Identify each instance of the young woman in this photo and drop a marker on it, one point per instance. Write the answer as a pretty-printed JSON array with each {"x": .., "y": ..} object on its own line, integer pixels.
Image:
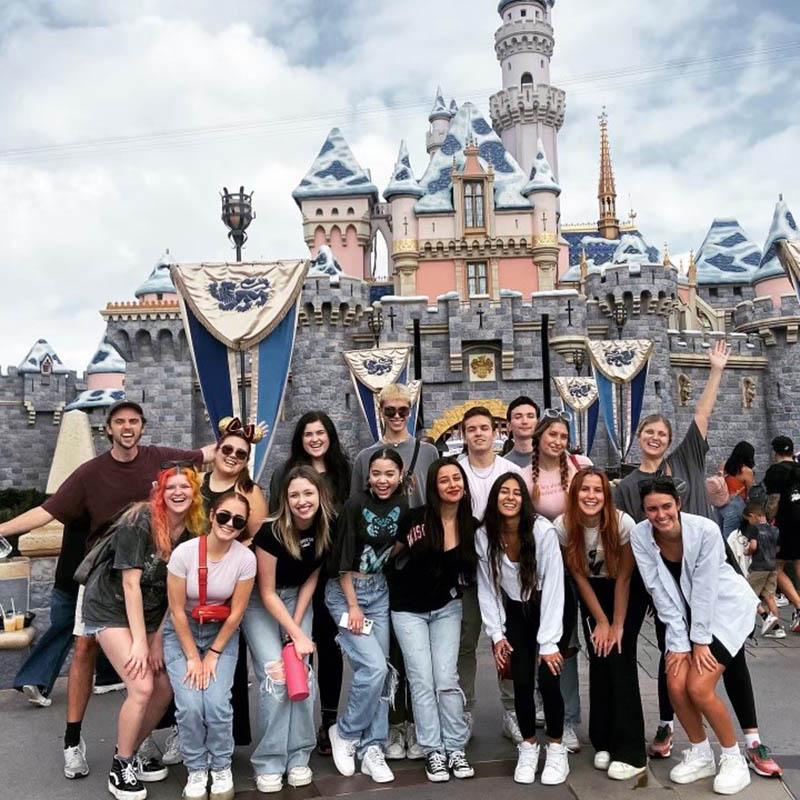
[
  {"x": 595, "y": 538},
  {"x": 315, "y": 442},
  {"x": 521, "y": 595},
  {"x": 201, "y": 657},
  {"x": 358, "y": 600},
  {"x": 124, "y": 605},
  {"x": 552, "y": 471},
  {"x": 436, "y": 550},
  {"x": 290, "y": 548},
  {"x": 708, "y": 610}
]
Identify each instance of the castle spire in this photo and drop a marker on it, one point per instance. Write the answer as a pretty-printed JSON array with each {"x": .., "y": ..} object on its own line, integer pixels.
[{"x": 608, "y": 223}]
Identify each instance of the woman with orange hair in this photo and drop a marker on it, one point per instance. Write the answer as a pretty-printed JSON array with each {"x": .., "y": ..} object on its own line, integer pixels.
[
  {"x": 124, "y": 607},
  {"x": 597, "y": 551}
]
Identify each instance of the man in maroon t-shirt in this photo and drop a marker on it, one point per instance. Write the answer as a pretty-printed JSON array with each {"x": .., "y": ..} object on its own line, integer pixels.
[{"x": 88, "y": 500}]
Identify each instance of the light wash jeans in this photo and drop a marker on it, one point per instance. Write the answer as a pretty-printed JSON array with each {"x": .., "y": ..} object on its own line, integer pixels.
[
  {"x": 429, "y": 643},
  {"x": 284, "y": 729},
  {"x": 366, "y": 715},
  {"x": 204, "y": 716}
]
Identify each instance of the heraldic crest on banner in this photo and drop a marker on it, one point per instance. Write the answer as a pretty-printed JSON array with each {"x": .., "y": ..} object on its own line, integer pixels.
[
  {"x": 620, "y": 360},
  {"x": 577, "y": 393}
]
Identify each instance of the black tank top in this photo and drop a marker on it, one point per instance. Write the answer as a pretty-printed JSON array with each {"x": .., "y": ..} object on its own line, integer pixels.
[{"x": 209, "y": 495}]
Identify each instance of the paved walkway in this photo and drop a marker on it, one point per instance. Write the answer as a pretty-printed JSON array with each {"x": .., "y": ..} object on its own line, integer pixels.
[{"x": 31, "y": 763}]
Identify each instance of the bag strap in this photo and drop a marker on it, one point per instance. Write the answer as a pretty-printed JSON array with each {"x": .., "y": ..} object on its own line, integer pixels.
[
  {"x": 414, "y": 457},
  {"x": 202, "y": 574},
  {"x": 575, "y": 463}
]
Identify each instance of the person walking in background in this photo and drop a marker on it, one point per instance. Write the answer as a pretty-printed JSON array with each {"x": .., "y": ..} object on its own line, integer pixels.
[
  {"x": 315, "y": 442},
  {"x": 211, "y": 575}
]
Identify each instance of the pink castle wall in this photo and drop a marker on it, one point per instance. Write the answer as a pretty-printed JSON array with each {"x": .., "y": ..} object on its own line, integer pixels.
[
  {"x": 774, "y": 288},
  {"x": 518, "y": 274},
  {"x": 105, "y": 380},
  {"x": 435, "y": 278}
]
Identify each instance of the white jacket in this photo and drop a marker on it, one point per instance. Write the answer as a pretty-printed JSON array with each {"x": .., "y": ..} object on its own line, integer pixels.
[
  {"x": 722, "y": 603},
  {"x": 549, "y": 580}
]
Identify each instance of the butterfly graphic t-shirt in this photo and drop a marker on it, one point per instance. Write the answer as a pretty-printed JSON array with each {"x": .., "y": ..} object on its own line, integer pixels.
[{"x": 367, "y": 533}]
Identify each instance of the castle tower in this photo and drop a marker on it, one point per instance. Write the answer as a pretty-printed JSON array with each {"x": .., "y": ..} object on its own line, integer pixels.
[
  {"x": 608, "y": 223},
  {"x": 770, "y": 280},
  {"x": 105, "y": 379},
  {"x": 439, "y": 119},
  {"x": 527, "y": 108},
  {"x": 401, "y": 193},
  {"x": 159, "y": 287}
]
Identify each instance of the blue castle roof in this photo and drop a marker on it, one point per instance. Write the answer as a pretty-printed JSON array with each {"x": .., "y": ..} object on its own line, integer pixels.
[
  {"x": 96, "y": 398},
  {"x": 335, "y": 173},
  {"x": 32, "y": 363},
  {"x": 503, "y": 4},
  {"x": 106, "y": 360},
  {"x": 509, "y": 179},
  {"x": 631, "y": 248},
  {"x": 726, "y": 255},
  {"x": 783, "y": 227},
  {"x": 403, "y": 182},
  {"x": 440, "y": 109},
  {"x": 542, "y": 178},
  {"x": 159, "y": 280}
]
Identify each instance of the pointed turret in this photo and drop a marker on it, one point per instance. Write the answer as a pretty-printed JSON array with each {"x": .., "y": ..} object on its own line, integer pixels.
[
  {"x": 403, "y": 182},
  {"x": 726, "y": 255},
  {"x": 159, "y": 285},
  {"x": 439, "y": 119},
  {"x": 608, "y": 224},
  {"x": 440, "y": 109},
  {"x": 783, "y": 228},
  {"x": 542, "y": 178},
  {"x": 42, "y": 358},
  {"x": 453, "y": 107}
]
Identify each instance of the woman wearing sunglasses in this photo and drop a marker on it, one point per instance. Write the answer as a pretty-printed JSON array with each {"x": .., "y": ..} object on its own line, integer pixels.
[
  {"x": 708, "y": 611},
  {"x": 200, "y": 654},
  {"x": 290, "y": 548},
  {"x": 595, "y": 540}
]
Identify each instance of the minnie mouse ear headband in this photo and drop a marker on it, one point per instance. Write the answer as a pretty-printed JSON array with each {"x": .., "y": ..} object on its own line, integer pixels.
[{"x": 233, "y": 425}]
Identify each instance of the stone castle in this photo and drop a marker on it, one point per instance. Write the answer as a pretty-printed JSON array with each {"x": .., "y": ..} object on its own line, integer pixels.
[{"x": 478, "y": 253}]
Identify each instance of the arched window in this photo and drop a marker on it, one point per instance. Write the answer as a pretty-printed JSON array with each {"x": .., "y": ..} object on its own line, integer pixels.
[
  {"x": 318, "y": 212},
  {"x": 334, "y": 212},
  {"x": 527, "y": 79},
  {"x": 473, "y": 204},
  {"x": 351, "y": 210}
]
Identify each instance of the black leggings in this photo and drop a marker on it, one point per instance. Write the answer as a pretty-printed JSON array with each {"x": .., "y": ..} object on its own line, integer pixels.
[
  {"x": 328, "y": 656},
  {"x": 522, "y": 625}
]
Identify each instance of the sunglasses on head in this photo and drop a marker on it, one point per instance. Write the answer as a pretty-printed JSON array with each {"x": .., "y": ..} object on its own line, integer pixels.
[
  {"x": 178, "y": 465},
  {"x": 391, "y": 412},
  {"x": 661, "y": 483},
  {"x": 236, "y": 520},
  {"x": 236, "y": 452},
  {"x": 556, "y": 413}
]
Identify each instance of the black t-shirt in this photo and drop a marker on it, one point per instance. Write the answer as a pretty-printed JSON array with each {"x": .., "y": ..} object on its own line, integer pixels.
[
  {"x": 104, "y": 600},
  {"x": 422, "y": 579},
  {"x": 783, "y": 478},
  {"x": 289, "y": 571},
  {"x": 366, "y": 533}
]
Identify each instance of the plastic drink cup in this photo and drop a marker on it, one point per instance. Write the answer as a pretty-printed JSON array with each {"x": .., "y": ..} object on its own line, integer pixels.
[
  {"x": 20, "y": 619},
  {"x": 9, "y": 622},
  {"x": 5, "y": 548}
]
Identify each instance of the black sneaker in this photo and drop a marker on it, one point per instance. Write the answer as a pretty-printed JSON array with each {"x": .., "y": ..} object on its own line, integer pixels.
[
  {"x": 436, "y": 767},
  {"x": 123, "y": 783},
  {"x": 323, "y": 741},
  {"x": 149, "y": 769},
  {"x": 457, "y": 762}
]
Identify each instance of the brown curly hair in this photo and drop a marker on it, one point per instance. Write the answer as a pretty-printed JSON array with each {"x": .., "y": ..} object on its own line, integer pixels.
[{"x": 543, "y": 425}]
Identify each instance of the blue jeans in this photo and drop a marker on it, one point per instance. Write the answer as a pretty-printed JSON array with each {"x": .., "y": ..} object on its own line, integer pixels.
[
  {"x": 284, "y": 729},
  {"x": 366, "y": 715},
  {"x": 430, "y": 651},
  {"x": 204, "y": 716},
  {"x": 44, "y": 663}
]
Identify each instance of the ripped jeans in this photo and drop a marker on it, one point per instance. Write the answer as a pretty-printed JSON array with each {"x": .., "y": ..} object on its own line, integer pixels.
[
  {"x": 284, "y": 729},
  {"x": 430, "y": 645},
  {"x": 366, "y": 715}
]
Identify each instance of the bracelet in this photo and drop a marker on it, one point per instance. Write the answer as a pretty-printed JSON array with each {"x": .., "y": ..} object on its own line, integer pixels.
[{"x": 218, "y": 652}]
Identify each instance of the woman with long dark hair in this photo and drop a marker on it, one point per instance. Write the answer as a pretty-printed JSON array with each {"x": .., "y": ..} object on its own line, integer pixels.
[
  {"x": 521, "y": 595},
  {"x": 315, "y": 442},
  {"x": 436, "y": 550},
  {"x": 595, "y": 538}
]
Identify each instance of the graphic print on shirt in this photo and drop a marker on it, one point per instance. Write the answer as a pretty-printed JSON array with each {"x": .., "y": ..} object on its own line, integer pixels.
[
  {"x": 597, "y": 561},
  {"x": 378, "y": 527}
]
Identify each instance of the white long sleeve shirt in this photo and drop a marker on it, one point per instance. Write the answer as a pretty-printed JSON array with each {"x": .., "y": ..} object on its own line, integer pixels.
[
  {"x": 718, "y": 601},
  {"x": 549, "y": 579}
]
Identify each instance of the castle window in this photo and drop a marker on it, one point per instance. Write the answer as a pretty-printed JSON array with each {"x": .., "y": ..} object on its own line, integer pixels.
[
  {"x": 318, "y": 212},
  {"x": 334, "y": 212},
  {"x": 527, "y": 79},
  {"x": 159, "y": 296},
  {"x": 46, "y": 367},
  {"x": 477, "y": 278},
  {"x": 737, "y": 291},
  {"x": 713, "y": 292},
  {"x": 350, "y": 210},
  {"x": 473, "y": 205},
  {"x": 523, "y": 13}
]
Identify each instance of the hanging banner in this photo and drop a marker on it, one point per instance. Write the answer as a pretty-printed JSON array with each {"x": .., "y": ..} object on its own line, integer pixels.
[
  {"x": 580, "y": 394},
  {"x": 371, "y": 370},
  {"x": 250, "y": 308},
  {"x": 789, "y": 256},
  {"x": 620, "y": 372}
]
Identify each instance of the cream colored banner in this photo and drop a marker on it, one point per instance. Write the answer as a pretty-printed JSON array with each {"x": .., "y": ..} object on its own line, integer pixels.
[
  {"x": 379, "y": 366},
  {"x": 789, "y": 256},
  {"x": 577, "y": 393},
  {"x": 620, "y": 360}
]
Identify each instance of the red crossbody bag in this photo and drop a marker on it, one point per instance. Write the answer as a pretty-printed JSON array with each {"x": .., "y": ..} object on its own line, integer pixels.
[{"x": 202, "y": 611}]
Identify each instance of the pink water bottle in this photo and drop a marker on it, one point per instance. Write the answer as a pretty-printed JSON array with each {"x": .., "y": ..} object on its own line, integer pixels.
[{"x": 296, "y": 673}]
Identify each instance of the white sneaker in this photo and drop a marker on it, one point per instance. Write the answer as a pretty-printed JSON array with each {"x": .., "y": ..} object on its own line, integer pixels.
[
  {"x": 733, "y": 774},
  {"x": 413, "y": 751},
  {"x": 172, "y": 748},
  {"x": 75, "y": 763},
  {"x": 469, "y": 721},
  {"x": 776, "y": 633},
  {"x": 781, "y": 601},
  {"x": 108, "y": 688},
  {"x": 222, "y": 784},
  {"x": 511, "y": 727},
  {"x": 299, "y": 776},
  {"x": 196, "y": 785},
  {"x": 396, "y": 748},
  {"x": 602, "y": 760},
  {"x": 35, "y": 696},
  {"x": 620, "y": 771},
  {"x": 556, "y": 765},
  {"x": 269, "y": 782},
  {"x": 374, "y": 764},
  {"x": 343, "y": 751},
  {"x": 695, "y": 765},
  {"x": 570, "y": 739},
  {"x": 769, "y": 623},
  {"x": 527, "y": 762}
]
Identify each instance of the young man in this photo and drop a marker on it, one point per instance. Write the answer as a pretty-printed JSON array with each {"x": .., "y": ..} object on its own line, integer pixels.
[
  {"x": 482, "y": 467},
  {"x": 782, "y": 482},
  {"x": 88, "y": 500},
  {"x": 522, "y": 416}
]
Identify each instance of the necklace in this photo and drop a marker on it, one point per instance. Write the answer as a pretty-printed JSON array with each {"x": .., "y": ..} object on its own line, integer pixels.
[{"x": 480, "y": 472}]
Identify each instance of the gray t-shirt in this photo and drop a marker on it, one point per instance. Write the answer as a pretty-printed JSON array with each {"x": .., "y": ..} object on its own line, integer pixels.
[
  {"x": 766, "y": 537},
  {"x": 686, "y": 465},
  {"x": 426, "y": 456},
  {"x": 522, "y": 460}
]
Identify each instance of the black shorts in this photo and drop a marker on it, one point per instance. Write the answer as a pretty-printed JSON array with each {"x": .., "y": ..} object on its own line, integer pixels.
[
  {"x": 720, "y": 652},
  {"x": 788, "y": 548}
]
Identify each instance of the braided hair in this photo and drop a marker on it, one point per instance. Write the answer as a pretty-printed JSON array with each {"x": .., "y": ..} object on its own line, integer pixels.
[{"x": 543, "y": 425}]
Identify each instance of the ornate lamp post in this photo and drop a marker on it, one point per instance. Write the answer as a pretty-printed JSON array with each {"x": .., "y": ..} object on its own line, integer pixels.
[
  {"x": 375, "y": 322},
  {"x": 237, "y": 214},
  {"x": 578, "y": 359},
  {"x": 620, "y": 318}
]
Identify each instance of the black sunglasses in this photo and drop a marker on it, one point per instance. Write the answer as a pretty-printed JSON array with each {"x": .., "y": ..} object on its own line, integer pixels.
[
  {"x": 660, "y": 483},
  {"x": 391, "y": 412},
  {"x": 178, "y": 465},
  {"x": 230, "y": 450},
  {"x": 236, "y": 520}
]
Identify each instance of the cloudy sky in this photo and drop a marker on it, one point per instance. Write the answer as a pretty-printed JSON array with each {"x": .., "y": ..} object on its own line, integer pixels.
[{"x": 121, "y": 121}]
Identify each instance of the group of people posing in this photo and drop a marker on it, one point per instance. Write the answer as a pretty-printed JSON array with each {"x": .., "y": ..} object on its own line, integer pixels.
[{"x": 398, "y": 562}]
